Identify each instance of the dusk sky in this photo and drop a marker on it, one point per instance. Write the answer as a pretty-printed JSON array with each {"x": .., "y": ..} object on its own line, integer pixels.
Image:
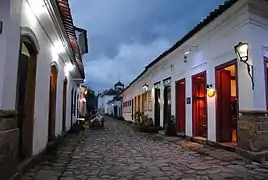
[{"x": 125, "y": 35}]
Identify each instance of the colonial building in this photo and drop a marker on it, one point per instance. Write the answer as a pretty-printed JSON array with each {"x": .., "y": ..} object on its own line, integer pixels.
[
  {"x": 108, "y": 95},
  {"x": 40, "y": 70},
  {"x": 214, "y": 85},
  {"x": 115, "y": 106}
]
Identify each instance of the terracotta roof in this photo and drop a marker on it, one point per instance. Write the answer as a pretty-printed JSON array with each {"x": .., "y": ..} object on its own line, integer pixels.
[
  {"x": 67, "y": 20},
  {"x": 212, "y": 16}
]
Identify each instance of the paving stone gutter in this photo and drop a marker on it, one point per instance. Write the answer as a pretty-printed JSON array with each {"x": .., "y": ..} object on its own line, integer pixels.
[{"x": 54, "y": 159}]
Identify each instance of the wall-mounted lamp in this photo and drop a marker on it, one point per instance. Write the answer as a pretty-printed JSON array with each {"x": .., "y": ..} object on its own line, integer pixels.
[
  {"x": 211, "y": 91},
  {"x": 241, "y": 50},
  {"x": 145, "y": 87}
]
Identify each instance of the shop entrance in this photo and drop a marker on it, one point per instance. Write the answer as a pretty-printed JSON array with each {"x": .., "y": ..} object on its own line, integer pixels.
[
  {"x": 199, "y": 105},
  {"x": 157, "y": 107},
  {"x": 227, "y": 105},
  {"x": 26, "y": 81},
  {"x": 52, "y": 103},
  {"x": 64, "y": 94},
  {"x": 180, "y": 105}
]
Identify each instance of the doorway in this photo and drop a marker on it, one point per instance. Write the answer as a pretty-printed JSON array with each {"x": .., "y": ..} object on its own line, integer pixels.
[
  {"x": 72, "y": 107},
  {"x": 52, "y": 103},
  {"x": 180, "y": 105},
  {"x": 25, "y": 98},
  {"x": 157, "y": 107},
  {"x": 167, "y": 105},
  {"x": 132, "y": 108},
  {"x": 266, "y": 78},
  {"x": 227, "y": 104},
  {"x": 199, "y": 92},
  {"x": 64, "y": 94}
]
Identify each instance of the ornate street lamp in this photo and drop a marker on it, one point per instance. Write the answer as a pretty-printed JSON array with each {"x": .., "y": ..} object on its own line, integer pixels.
[
  {"x": 241, "y": 50},
  {"x": 145, "y": 87}
]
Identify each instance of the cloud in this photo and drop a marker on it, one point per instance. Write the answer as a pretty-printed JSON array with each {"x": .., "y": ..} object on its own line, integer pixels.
[
  {"x": 130, "y": 60},
  {"x": 125, "y": 35}
]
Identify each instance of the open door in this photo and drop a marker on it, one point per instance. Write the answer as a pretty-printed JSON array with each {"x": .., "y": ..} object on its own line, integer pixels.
[
  {"x": 26, "y": 81},
  {"x": 132, "y": 110},
  {"x": 72, "y": 107},
  {"x": 52, "y": 103},
  {"x": 266, "y": 78},
  {"x": 64, "y": 96},
  {"x": 227, "y": 105},
  {"x": 199, "y": 105},
  {"x": 157, "y": 107},
  {"x": 167, "y": 104},
  {"x": 180, "y": 105}
]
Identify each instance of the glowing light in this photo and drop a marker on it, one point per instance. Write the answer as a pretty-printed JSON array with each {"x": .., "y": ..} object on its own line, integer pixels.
[
  {"x": 69, "y": 67},
  {"x": 241, "y": 49},
  {"x": 38, "y": 6},
  {"x": 187, "y": 52},
  {"x": 58, "y": 47},
  {"x": 211, "y": 92}
]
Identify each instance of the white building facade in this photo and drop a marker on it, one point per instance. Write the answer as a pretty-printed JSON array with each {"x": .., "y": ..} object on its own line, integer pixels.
[
  {"x": 40, "y": 70},
  {"x": 182, "y": 81}
]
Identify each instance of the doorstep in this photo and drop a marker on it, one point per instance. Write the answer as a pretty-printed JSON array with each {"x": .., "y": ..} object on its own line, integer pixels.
[{"x": 231, "y": 147}]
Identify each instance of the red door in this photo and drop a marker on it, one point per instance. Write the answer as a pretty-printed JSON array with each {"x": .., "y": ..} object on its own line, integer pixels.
[
  {"x": 224, "y": 106},
  {"x": 180, "y": 105},
  {"x": 199, "y": 112}
]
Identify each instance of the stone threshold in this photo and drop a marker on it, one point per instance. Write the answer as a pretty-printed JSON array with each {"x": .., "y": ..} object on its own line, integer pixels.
[
  {"x": 30, "y": 162},
  {"x": 254, "y": 156}
]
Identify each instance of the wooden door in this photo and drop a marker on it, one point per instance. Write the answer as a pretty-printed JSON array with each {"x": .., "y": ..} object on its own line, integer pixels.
[
  {"x": 72, "y": 107},
  {"x": 167, "y": 104},
  {"x": 22, "y": 82},
  {"x": 52, "y": 103},
  {"x": 199, "y": 105},
  {"x": 64, "y": 94},
  {"x": 224, "y": 114},
  {"x": 180, "y": 105},
  {"x": 157, "y": 108}
]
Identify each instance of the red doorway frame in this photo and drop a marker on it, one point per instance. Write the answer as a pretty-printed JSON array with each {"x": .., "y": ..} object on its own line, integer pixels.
[
  {"x": 222, "y": 66},
  {"x": 194, "y": 121},
  {"x": 180, "y": 105}
]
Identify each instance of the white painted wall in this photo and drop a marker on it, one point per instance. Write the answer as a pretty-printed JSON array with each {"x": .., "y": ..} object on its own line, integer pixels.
[
  {"x": 46, "y": 57},
  {"x": 212, "y": 46},
  {"x": 102, "y": 102},
  {"x": 9, "y": 39}
]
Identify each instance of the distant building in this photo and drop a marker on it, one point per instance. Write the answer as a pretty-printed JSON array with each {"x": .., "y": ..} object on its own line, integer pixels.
[
  {"x": 115, "y": 106},
  {"x": 107, "y": 96}
]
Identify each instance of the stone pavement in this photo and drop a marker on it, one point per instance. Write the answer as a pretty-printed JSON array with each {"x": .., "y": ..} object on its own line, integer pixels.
[{"x": 120, "y": 153}]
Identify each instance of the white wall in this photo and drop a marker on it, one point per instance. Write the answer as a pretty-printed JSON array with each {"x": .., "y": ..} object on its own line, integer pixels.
[
  {"x": 46, "y": 57},
  {"x": 213, "y": 46},
  {"x": 9, "y": 39}
]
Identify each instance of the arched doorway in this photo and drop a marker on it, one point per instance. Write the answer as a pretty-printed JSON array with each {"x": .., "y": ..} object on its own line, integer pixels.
[
  {"x": 25, "y": 98},
  {"x": 64, "y": 105},
  {"x": 52, "y": 102}
]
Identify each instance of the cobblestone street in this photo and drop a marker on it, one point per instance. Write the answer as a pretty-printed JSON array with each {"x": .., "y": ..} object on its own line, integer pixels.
[{"x": 118, "y": 152}]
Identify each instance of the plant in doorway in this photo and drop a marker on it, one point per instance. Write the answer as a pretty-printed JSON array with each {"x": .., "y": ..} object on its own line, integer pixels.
[{"x": 170, "y": 126}]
